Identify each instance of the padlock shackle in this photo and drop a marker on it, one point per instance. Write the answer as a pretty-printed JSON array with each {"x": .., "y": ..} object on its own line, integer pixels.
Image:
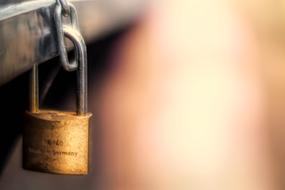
[
  {"x": 59, "y": 12},
  {"x": 34, "y": 90},
  {"x": 75, "y": 37}
]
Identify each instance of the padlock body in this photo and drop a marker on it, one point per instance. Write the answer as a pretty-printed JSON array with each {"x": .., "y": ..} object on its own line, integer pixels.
[{"x": 56, "y": 142}]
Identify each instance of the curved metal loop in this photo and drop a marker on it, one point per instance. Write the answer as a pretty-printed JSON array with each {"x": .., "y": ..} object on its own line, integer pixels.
[
  {"x": 74, "y": 16},
  {"x": 65, "y": 5},
  {"x": 61, "y": 44},
  {"x": 80, "y": 47}
]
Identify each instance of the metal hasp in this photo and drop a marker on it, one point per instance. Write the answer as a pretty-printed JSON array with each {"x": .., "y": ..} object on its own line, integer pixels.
[{"x": 28, "y": 36}]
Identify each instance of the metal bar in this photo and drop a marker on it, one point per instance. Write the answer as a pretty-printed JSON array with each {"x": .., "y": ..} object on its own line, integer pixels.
[
  {"x": 34, "y": 90},
  {"x": 27, "y": 32},
  {"x": 13, "y": 10}
]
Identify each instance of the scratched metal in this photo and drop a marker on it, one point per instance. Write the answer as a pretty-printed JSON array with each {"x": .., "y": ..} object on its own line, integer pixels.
[
  {"x": 27, "y": 33},
  {"x": 56, "y": 142}
]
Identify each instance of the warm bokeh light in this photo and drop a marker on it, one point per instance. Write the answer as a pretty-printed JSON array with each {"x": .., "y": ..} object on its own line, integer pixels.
[{"x": 186, "y": 105}]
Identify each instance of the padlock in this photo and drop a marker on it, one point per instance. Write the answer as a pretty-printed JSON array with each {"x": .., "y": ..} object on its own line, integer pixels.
[{"x": 57, "y": 141}]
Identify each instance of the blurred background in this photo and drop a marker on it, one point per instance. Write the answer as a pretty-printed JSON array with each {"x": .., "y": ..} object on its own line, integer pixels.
[{"x": 185, "y": 95}]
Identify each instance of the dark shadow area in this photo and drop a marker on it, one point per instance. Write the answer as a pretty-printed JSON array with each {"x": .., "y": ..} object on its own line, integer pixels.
[{"x": 13, "y": 101}]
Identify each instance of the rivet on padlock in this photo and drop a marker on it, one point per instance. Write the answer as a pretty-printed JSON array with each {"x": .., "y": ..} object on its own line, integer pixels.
[{"x": 57, "y": 141}]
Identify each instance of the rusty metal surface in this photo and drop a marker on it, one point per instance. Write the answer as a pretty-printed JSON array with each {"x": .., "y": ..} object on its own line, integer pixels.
[
  {"x": 27, "y": 32},
  {"x": 56, "y": 142}
]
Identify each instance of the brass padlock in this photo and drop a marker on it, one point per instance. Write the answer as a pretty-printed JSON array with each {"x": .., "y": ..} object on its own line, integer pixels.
[{"x": 57, "y": 141}]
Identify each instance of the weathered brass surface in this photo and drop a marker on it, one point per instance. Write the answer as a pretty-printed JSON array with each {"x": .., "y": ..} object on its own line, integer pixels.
[{"x": 56, "y": 142}]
